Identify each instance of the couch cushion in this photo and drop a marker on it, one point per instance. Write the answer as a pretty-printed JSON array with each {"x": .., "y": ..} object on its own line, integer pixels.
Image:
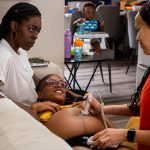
[{"x": 20, "y": 131}]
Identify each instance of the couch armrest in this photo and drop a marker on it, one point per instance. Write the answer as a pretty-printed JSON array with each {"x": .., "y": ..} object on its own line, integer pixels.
[{"x": 20, "y": 131}]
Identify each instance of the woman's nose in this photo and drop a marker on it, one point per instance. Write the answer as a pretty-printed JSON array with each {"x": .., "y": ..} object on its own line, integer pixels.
[
  {"x": 35, "y": 35},
  {"x": 58, "y": 85}
]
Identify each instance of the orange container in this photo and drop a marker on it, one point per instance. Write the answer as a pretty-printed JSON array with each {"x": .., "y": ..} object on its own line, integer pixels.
[{"x": 78, "y": 42}]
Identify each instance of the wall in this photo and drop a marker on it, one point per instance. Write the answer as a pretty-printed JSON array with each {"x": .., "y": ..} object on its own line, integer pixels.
[
  {"x": 50, "y": 44},
  {"x": 142, "y": 64}
]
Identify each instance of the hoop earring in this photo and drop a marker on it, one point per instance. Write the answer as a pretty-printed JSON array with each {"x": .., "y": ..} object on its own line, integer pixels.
[{"x": 13, "y": 35}]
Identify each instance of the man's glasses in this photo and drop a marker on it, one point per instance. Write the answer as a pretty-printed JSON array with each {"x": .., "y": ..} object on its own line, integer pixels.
[{"x": 51, "y": 82}]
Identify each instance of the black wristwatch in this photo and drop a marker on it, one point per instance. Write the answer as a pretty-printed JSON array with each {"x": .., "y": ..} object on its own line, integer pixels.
[{"x": 131, "y": 135}]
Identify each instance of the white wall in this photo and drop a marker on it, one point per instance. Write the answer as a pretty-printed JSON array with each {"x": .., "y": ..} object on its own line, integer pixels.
[{"x": 50, "y": 44}]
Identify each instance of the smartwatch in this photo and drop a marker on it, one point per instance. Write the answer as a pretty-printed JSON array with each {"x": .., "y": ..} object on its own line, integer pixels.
[{"x": 131, "y": 135}]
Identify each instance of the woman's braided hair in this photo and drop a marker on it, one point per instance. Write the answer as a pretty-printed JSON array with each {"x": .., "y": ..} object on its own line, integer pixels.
[
  {"x": 145, "y": 12},
  {"x": 42, "y": 82},
  {"x": 17, "y": 12},
  {"x": 135, "y": 98}
]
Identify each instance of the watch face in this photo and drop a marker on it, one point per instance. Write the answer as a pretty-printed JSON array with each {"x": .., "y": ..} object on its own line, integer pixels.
[{"x": 131, "y": 135}]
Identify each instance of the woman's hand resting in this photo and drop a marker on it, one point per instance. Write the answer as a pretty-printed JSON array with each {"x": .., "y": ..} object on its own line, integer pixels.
[
  {"x": 94, "y": 108},
  {"x": 109, "y": 137},
  {"x": 78, "y": 104},
  {"x": 43, "y": 106}
]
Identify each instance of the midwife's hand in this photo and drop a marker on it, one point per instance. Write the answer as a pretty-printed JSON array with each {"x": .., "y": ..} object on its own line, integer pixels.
[
  {"x": 95, "y": 106},
  {"x": 43, "y": 106},
  {"x": 109, "y": 137}
]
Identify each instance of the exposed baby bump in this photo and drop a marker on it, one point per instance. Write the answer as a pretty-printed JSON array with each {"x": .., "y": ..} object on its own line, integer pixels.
[
  {"x": 66, "y": 123},
  {"x": 70, "y": 122},
  {"x": 92, "y": 125}
]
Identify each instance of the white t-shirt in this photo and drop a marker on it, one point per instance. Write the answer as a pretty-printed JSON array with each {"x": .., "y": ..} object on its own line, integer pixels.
[{"x": 16, "y": 75}]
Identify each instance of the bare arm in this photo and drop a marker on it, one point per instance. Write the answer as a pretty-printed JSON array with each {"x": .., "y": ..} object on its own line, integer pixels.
[
  {"x": 80, "y": 20},
  {"x": 36, "y": 107},
  {"x": 118, "y": 110},
  {"x": 109, "y": 137},
  {"x": 142, "y": 137},
  {"x": 123, "y": 109},
  {"x": 28, "y": 109},
  {"x": 102, "y": 25}
]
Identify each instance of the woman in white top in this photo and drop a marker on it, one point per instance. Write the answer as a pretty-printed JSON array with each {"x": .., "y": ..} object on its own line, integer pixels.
[{"x": 19, "y": 30}]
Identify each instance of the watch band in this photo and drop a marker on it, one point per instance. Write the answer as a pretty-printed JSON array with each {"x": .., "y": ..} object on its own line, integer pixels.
[{"x": 131, "y": 135}]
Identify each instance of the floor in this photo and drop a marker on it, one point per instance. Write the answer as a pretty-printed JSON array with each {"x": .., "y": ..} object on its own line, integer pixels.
[{"x": 123, "y": 85}]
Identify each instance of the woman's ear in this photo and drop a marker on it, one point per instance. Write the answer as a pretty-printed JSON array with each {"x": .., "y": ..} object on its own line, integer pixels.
[
  {"x": 39, "y": 95},
  {"x": 13, "y": 25}
]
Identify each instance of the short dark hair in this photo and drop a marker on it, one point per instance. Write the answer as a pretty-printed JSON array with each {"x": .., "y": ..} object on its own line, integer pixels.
[
  {"x": 145, "y": 12},
  {"x": 18, "y": 13},
  {"x": 42, "y": 82},
  {"x": 89, "y": 4}
]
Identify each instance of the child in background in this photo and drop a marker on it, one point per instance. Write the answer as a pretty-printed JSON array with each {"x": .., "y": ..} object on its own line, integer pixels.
[{"x": 89, "y": 10}]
